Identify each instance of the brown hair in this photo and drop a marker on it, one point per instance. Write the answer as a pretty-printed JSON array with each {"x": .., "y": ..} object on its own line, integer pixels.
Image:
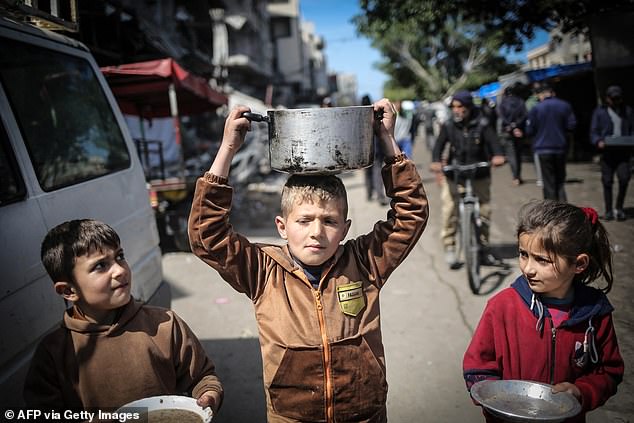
[
  {"x": 567, "y": 231},
  {"x": 73, "y": 239},
  {"x": 317, "y": 188}
]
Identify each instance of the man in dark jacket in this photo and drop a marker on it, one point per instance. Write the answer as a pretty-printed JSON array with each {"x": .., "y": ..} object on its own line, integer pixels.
[
  {"x": 512, "y": 113},
  {"x": 613, "y": 118},
  {"x": 470, "y": 139},
  {"x": 549, "y": 122}
]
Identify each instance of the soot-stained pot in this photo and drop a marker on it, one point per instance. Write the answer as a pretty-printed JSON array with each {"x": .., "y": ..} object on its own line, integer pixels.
[{"x": 319, "y": 141}]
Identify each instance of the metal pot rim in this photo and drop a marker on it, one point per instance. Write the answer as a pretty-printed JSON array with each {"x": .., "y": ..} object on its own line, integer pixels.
[{"x": 319, "y": 110}]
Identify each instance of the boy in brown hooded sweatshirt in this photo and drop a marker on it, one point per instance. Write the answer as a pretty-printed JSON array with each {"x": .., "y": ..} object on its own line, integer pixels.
[
  {"x": 110, "y": 349},
  {"x": 316, "y": 300}
]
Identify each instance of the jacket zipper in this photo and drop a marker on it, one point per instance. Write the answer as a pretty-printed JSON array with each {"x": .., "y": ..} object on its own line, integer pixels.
[
  {"x": 552, "y": 352},
  {"x": 324, "y": 340}
]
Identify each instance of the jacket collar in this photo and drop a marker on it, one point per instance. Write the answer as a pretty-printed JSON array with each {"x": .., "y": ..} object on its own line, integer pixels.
[
  {"x": 588, "y": 303},
  {"x": 283, "y": 257},
  {"x": 128, "y": 311}
]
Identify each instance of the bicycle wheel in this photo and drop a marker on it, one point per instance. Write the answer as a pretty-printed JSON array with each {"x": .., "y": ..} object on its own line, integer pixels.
[{"x": 471, "y": 247}]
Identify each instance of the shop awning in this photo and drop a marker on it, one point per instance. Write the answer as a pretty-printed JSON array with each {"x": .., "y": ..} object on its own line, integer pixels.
[
  {"x": 143, "y": 89},
  {"x": 558, "y": 71}
]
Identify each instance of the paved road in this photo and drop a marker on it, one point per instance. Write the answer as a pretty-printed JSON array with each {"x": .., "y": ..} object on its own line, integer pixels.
[{"x": 428, "y": 312}]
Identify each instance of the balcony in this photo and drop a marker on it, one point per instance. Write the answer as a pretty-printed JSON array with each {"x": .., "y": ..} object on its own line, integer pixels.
[{"x": 55, "y": 15}]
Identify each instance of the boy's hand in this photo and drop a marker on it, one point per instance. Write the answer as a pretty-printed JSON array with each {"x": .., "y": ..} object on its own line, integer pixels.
[
  {"x": 568, "y": 387},
  {"x": 384, "y": 128},
  {"x": 209, "y": 399},
  {"x": 236, "y": 128},
  {"x": 235, "y": 131}
]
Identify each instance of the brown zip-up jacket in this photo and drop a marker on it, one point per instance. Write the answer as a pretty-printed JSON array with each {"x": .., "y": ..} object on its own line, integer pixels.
[{"x": 322, "y": 349}]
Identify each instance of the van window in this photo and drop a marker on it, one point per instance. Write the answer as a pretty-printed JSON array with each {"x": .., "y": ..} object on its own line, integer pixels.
[
  {"x": 12, "y": 187},
  {"x": 66, "y": 121}
]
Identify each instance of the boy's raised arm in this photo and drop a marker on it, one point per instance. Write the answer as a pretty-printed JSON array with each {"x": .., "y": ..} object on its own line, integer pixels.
[
  {"x": 384, "y": 128},
  {"x": 236, "y": 128}
]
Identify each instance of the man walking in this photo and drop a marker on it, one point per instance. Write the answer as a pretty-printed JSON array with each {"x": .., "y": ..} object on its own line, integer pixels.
[
  {"x": 616, "y": 119},
  {"x": 512, "y": 113},
  {"x": 550, "y": 122}
]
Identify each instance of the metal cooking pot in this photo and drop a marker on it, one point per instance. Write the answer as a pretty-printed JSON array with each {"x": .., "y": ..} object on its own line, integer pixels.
[{"x": 319, "y": 141}]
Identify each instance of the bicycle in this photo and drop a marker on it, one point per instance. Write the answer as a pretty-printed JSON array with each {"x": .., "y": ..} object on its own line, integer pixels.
[{"x": 470, "y": 223}]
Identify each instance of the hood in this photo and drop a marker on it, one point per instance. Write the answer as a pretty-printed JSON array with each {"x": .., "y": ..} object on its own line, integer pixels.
[
  {"x": 463, "y": 97},
  {"x": 128, "y": 311},
  {"x": 589, "y": 302},
  {"x": 282, "y": 256}
]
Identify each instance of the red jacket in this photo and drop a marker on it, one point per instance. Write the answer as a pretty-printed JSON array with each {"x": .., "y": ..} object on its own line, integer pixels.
[{"x": 511, "y": 342}]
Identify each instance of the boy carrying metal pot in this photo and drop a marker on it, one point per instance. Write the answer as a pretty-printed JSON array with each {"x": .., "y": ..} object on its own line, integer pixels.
[{"x": 316, "y": 300}]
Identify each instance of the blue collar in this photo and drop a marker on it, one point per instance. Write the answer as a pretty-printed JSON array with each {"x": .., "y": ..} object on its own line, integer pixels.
[
  {"x": 569, "y": 299},
  {"x": 588, "y": 302}
]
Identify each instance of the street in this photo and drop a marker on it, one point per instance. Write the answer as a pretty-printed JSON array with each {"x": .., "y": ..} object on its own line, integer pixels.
[{"x": 428, "y": 311}]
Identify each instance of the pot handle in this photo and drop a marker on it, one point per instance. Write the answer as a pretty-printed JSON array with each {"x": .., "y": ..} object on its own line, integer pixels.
[{"x": 255, "y": 117}]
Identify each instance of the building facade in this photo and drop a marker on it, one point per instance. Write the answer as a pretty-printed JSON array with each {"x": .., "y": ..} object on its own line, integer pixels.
[
  {"x": 261, "y": 48},
  {"x": 561, "y": 49},
  {"x": 299, "y": 61}
]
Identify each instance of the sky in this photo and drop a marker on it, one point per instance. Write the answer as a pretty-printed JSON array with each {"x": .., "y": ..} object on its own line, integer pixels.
[
  {"x": 345, "y": 52},
  {"x": 348, "y": 53}
]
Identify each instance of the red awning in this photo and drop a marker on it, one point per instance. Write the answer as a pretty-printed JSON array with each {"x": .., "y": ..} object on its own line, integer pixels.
[{"x": 143, "y": 89}]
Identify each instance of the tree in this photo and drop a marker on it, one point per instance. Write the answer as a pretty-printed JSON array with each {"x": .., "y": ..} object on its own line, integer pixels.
[
  {"x": 515, "y": 20},
  {"x": 431, "y": 55}
]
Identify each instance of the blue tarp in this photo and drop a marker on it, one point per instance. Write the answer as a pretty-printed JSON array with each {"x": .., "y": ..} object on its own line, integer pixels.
[
  {"x": 489, "y": 91},
  {"x": 557, "y": 70}
]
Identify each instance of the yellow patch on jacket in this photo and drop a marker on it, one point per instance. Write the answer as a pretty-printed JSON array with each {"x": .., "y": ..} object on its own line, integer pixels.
[{"x": 351, "y": 298}]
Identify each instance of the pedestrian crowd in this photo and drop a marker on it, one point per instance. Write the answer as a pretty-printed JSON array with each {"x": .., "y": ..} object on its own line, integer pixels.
[
  {"x": 541, "y": 122},
  {"x": 316, "y": 295}
]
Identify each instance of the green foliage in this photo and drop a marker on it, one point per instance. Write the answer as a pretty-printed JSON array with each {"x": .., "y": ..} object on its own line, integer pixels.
[
  {"x": 429, "y": 55},
  {"x": 437, "y": 46},
  {"x": 395, "y": 92},
  {"x": 516, "y": 20}
]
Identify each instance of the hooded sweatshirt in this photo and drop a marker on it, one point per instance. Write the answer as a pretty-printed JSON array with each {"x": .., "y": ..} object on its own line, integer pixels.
[
  {"x": 515, "y": 339},
  {"x": 322, "y": 350},
  {"x": 148, "y": 351}
]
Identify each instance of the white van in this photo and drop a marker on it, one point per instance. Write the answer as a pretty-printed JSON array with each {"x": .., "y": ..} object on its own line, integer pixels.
[{"x": 65, "y": 153}]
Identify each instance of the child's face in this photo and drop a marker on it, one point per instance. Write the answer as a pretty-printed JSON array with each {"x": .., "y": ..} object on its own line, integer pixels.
[
  {"x": 314, "y": 230},
  {"x": 547, "y": 274},
  {"x": 102, "y": 282}
]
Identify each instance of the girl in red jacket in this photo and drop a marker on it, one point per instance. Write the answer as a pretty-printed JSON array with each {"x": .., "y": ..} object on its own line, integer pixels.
[{"x": 550, "y": 326}]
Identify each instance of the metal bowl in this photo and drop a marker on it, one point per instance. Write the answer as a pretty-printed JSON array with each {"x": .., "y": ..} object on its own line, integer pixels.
[
  {"x": 524, "y": 401},
  {"x": 168, "y": 403}
]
